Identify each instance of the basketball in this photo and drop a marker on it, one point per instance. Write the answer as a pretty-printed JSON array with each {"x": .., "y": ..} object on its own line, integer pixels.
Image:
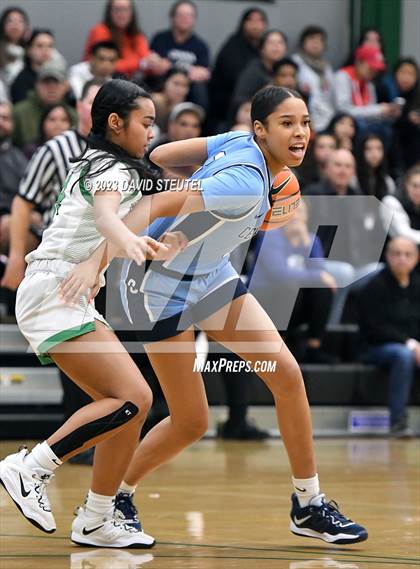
[{"x": 284, "y": 199}]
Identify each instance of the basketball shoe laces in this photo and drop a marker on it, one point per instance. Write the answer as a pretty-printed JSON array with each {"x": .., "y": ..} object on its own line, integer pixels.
[
  {"x": 331, "y": 513},
  {"x": 40, "y": 487},
  {"x": 125, "y": 508}
]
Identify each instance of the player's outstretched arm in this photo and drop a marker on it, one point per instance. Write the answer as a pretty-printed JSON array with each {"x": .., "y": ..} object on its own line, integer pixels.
[
  {"x": 115, "y": 231},
  {"x": 181, "y": 157}
]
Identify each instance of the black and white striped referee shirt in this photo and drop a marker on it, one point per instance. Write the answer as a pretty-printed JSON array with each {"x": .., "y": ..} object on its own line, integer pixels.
[{"x": 47, "y": 171}]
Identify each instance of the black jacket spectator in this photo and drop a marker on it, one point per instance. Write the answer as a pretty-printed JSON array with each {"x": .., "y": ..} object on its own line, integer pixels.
[
  {"x": 254, "y": 77},
  {"x": 233, "y": 57},
  {"x": 389, "y": 319},
  {"x": 23, "y": 83},
  {"x": 389, "y": 312},
  {"x": 405, "y": 83},
  {"x": 259, "y": 72}
]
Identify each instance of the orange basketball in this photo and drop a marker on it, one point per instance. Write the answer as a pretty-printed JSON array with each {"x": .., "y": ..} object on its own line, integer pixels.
[{"x": 284, "y": 199}]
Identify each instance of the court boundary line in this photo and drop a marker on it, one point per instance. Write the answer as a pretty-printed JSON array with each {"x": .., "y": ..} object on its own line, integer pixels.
[
  {"x": 314, "y": 550},
  {"x": 236, "y": 557}
]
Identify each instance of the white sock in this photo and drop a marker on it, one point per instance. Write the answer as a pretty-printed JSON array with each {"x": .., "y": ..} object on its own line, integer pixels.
[
  {"x": 126, "y": 488},
  {"x": 306, "y": 489},
  {"x": 42, "y": 457},
  {"x": 99, "y": 506}
]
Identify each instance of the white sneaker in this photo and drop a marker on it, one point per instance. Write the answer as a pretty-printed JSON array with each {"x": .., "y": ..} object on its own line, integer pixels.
[
  {"x": 107, "y": 532},
  {"x": 28, "y": 489}
]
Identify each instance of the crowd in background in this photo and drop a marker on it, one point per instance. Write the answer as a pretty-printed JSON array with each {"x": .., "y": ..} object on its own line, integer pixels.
[{"x": 365, "y": 141}]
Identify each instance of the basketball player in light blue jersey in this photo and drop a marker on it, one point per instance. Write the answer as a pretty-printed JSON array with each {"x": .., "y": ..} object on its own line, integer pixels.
[
  {"x": 234, "y": 184},
  {"x": 198, "y": 286}
]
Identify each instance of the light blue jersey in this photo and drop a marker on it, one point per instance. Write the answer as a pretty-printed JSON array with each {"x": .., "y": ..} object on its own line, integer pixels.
[
  {"x": 162, "y": 299},
  {"x": 235, "y": 183}
]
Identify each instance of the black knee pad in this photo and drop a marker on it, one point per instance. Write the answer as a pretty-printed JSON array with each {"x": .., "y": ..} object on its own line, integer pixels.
[{"x": 99, "y": 426}]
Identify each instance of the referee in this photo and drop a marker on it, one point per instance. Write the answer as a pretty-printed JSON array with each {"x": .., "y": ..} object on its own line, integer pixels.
[{"x": 38, "y": 190}]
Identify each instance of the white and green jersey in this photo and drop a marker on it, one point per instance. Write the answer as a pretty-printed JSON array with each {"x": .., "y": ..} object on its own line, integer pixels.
[{"x": 72, "y": 235}]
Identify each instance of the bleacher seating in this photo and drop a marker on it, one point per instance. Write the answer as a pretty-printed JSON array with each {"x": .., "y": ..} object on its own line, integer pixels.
[{"x": 30, "y": 394}]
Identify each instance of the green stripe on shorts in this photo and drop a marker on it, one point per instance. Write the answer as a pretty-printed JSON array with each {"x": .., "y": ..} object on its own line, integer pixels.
[{"x": 60, "y": 337}]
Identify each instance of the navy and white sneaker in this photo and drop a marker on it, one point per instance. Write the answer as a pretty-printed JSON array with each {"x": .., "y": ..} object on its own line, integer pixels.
[
  {"x": 323, "y": 520},
  {"x": 126, "y": 510},
  {"x": 107, "y": 532}
]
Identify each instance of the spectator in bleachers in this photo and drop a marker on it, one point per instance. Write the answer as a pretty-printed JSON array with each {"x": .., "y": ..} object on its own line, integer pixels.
[
  {"x": 259, "y": 71},
  {"x": 238, "y": 50},
  {"x": 313, "y": 168},
  {"x": 120, "y": 26},
  {"x": 14, "y": 28},
  {"x": 316, "y": 76},
  {"x": 12, "y": 168},
  {"x": 101, "y": 65},
  {"x": 285, "y": 73},
  {"x": 185, "y": 121},
  {"x": 43, "y": 179},
  {"x": 372, "y": 36},
  {"x": 355, "y": 93},
  {"x": 50, "y": 88},
  {"x": 405, "y": 84},
  {"x": 369, "y": 36},
  {"x": 39, "y": 50},
  {"x": 290, "y": 265},
  {"x": 176, "y": 86},
  {"x": 338, "y": 174},
  {"x": 389, "y": 313},
  {"x": 181, "y": 47},
  {"x": 344, "y": 128},
  {"x": 372, "y": 168},
  {"x": 243, "y": 117},
  {"x": 406, "y": 209},
  {"x": 54, "y": 121}
]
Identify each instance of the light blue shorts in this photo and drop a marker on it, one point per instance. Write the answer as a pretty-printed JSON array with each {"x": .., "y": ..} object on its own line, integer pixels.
[{"x": 160, "y": 304}]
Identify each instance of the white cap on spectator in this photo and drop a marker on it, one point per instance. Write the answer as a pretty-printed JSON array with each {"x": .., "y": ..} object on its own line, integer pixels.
[
  {"x": 52, "y": 71},
  {"x": 187, "y": 107}
]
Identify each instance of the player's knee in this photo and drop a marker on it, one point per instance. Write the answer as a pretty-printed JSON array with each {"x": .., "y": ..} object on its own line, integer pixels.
[
  {"x": 197, "y": 429},
  {"x": 143, "y": 399},
  {"x": 287, "y": 379},
  {"x": 193, "y": 428}
]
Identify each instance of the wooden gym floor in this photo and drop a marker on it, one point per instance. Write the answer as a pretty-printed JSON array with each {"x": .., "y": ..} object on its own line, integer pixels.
[{"x": 226, "y": 505}]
